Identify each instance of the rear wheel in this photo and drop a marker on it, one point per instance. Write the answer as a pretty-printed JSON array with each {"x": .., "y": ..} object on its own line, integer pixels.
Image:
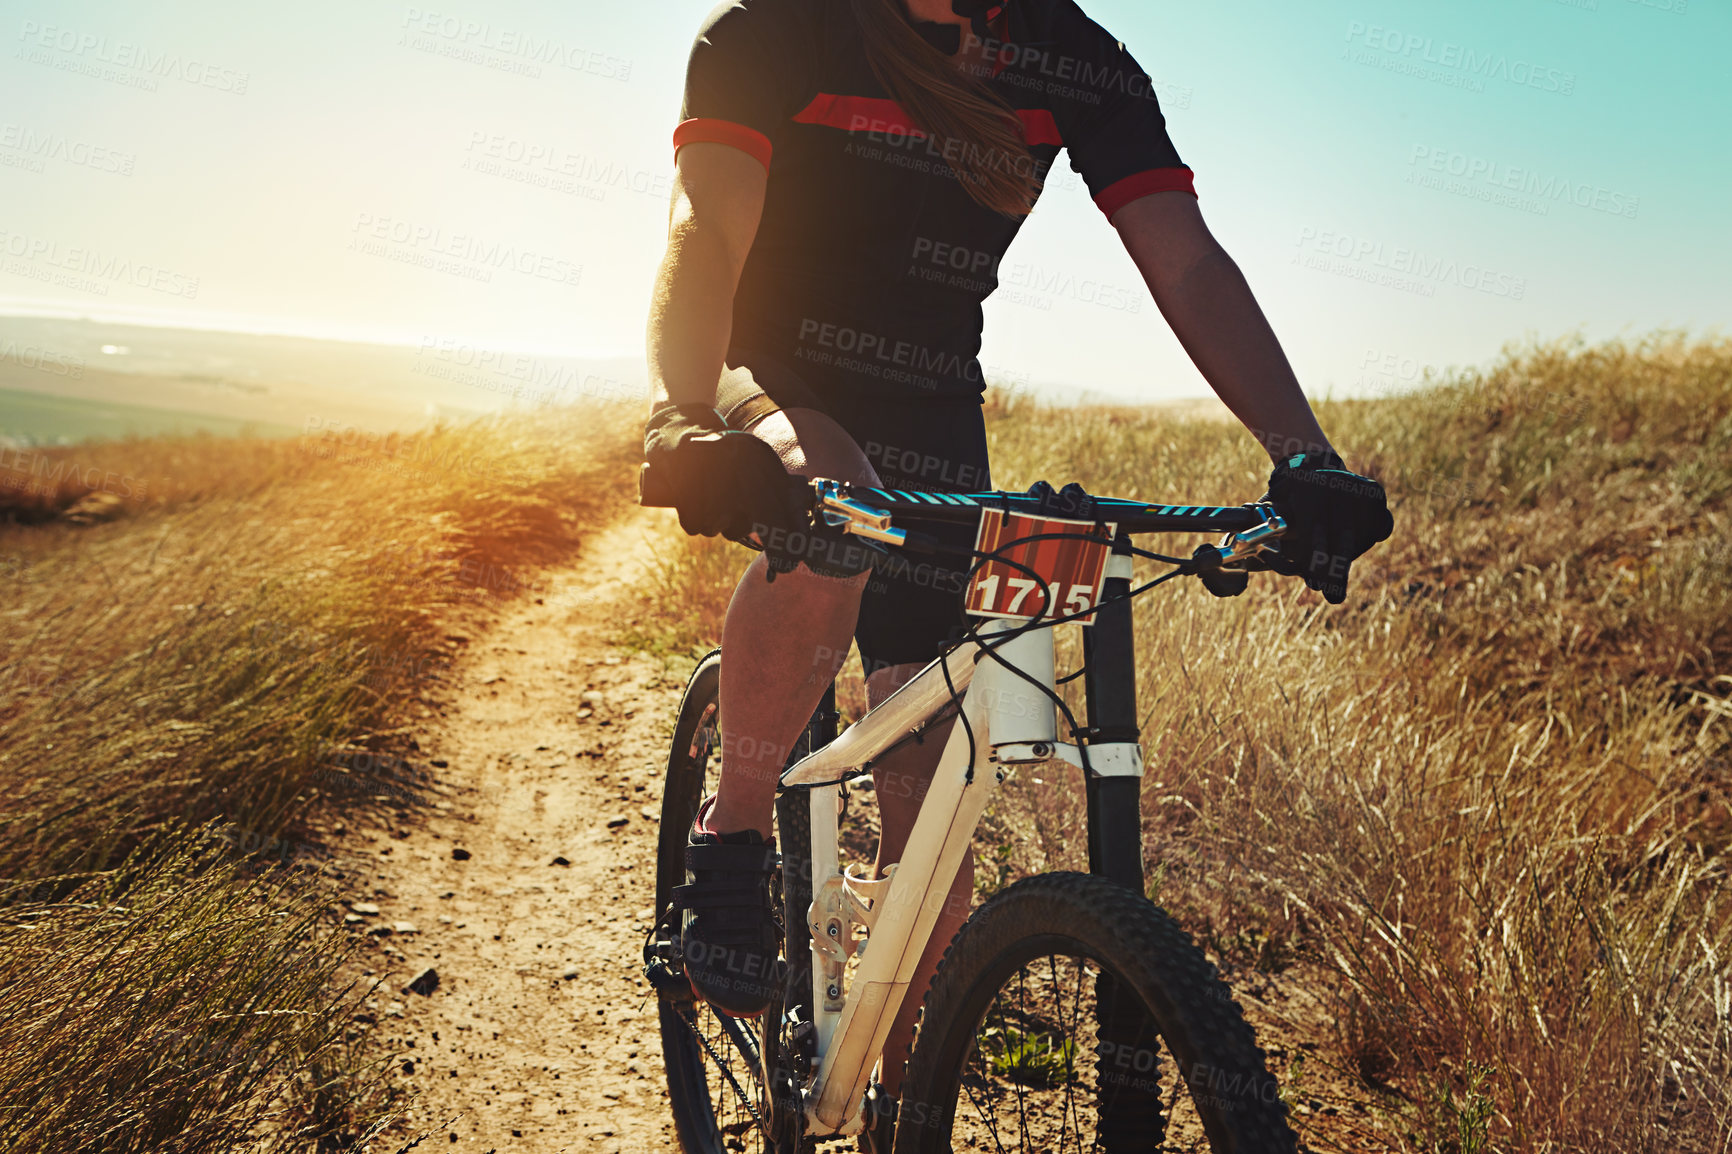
[
  {"x": 714, "y": 1061},
  {"x": 1071, "y": 1014},
  {"x": 717, "y": 1065}
]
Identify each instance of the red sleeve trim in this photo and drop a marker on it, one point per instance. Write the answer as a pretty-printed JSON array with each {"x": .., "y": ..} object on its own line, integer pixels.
[
  {"x": 702, "y": 130},
  {"x": 1140, "y": 184}
]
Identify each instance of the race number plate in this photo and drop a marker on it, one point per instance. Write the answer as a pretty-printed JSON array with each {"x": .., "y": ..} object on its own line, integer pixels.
[{"x": 1071, "y": 570}]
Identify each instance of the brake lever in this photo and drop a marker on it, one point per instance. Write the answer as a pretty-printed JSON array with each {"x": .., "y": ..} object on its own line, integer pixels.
[
  {"x": 1225, "y": 569},
  {"x": 1251, "y": 548},
  {"x": 852, "y": 515}
]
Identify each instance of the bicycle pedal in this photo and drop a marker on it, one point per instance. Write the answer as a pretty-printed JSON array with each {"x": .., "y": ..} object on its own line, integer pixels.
[
  {"x": 879, "y": 1133},
  {"x": 660, "y": 949},
  {"x": 803, "y": 1049},
  {"x": 668, "y": 981}
]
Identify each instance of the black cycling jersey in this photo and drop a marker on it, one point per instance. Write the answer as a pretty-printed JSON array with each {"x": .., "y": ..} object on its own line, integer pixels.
[{"x": 871, "y": 260}]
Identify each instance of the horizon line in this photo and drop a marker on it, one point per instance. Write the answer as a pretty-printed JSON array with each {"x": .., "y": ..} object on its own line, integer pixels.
[{"x": 37, "y": 309}]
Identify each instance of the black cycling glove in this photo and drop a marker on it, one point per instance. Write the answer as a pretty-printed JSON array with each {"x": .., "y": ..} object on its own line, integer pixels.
[
  {"x": 1333, "y": 516},
  {"x": 721, "y": 480}
]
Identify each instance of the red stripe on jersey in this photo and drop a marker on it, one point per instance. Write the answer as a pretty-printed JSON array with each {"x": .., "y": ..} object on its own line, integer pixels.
[
  {"x": 1140, "y": 184},
  {"x": 703, "y": 130},
  {"x": 1038, "y": 126},
  {"x": 877, "y": 114},
  {"x": 857, "y": 114}
]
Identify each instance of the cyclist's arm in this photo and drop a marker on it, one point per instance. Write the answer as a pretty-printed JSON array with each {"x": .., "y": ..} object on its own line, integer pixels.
[
  {"x": 1205, "y": 299},
  {"x": 718, "y": 196}
]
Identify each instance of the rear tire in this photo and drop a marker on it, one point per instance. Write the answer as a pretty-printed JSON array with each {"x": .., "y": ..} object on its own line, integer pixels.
[
  {"x": 714, "y": 1062},
  {"x": 1001, "y": 1062}
]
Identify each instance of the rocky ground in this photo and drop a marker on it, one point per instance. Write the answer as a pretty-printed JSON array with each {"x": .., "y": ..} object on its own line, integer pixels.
[{"x": 528, "y": 888}]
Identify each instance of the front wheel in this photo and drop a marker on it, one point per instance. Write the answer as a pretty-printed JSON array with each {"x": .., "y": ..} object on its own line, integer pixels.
[{"x": 1072, "y": 1014}]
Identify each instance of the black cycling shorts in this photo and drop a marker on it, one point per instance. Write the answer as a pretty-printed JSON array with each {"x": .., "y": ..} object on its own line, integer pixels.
[{"x": 912, "y": 607}]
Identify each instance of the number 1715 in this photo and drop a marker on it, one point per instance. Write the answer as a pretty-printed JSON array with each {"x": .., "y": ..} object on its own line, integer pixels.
[{"x": 1078, "y": 599}]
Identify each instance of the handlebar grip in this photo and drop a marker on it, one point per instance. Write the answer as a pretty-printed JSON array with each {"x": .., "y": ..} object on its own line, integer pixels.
[{"x": 652, "y": 490}]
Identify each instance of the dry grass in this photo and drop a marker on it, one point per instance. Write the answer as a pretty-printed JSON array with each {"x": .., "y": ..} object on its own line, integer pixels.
[
  {"x": 1484, "y": 809},
  {"x": 175, "y": 1003},
  {"x": 197, "y": 631}
]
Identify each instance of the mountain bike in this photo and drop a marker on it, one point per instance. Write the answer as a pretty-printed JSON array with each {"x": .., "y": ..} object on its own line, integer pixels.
[{"x": 1069, "y": 1012}]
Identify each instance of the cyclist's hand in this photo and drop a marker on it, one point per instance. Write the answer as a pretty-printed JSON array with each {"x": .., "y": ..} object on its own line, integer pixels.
[
  {"x": 720, "y": 480},
  {"x": 1333, "y": 516}
]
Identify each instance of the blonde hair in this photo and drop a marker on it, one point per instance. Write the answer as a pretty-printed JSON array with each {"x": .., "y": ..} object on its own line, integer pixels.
[{"x": 979, "y": 134}]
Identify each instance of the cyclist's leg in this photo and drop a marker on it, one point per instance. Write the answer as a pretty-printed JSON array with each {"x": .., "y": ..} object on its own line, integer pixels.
[
  {"x": 785, "y": 640},
  {"x": 900, "y": 782}
]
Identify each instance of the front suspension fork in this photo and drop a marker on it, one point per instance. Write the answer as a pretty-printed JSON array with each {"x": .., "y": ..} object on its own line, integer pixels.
[{"x": 1115, "y": 820}]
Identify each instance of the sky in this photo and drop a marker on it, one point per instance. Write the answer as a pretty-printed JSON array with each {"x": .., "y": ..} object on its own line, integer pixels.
[{"x": 1406, "y": 183}]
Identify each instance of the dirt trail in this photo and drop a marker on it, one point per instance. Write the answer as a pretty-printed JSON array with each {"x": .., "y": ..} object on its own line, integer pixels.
[{"x": 547, "y": 744}]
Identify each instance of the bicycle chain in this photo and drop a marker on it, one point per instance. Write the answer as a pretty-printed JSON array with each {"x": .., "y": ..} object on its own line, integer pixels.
[{"x": 745, "y": 1101}]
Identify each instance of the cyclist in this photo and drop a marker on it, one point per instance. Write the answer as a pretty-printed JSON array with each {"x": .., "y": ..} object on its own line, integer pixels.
[{"x": 849, "y": 174}]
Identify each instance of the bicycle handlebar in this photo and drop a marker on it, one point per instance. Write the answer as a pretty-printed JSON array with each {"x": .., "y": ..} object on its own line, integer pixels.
[
  {"x": 868, "y": 512},
  {"x": 1253, "y": 530},
  {"x": 1070, "y": 502}
]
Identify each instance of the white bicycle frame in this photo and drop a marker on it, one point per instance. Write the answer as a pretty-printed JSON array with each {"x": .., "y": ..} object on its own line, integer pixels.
[{"x": 1012, "y": 721}]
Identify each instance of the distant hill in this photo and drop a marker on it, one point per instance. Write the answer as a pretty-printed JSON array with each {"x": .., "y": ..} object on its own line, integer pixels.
[{"x": 66, "y": 380}]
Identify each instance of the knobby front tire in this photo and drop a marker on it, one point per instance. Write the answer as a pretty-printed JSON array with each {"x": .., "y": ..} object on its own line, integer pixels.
[{"x": 1020, "y": 1046}]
